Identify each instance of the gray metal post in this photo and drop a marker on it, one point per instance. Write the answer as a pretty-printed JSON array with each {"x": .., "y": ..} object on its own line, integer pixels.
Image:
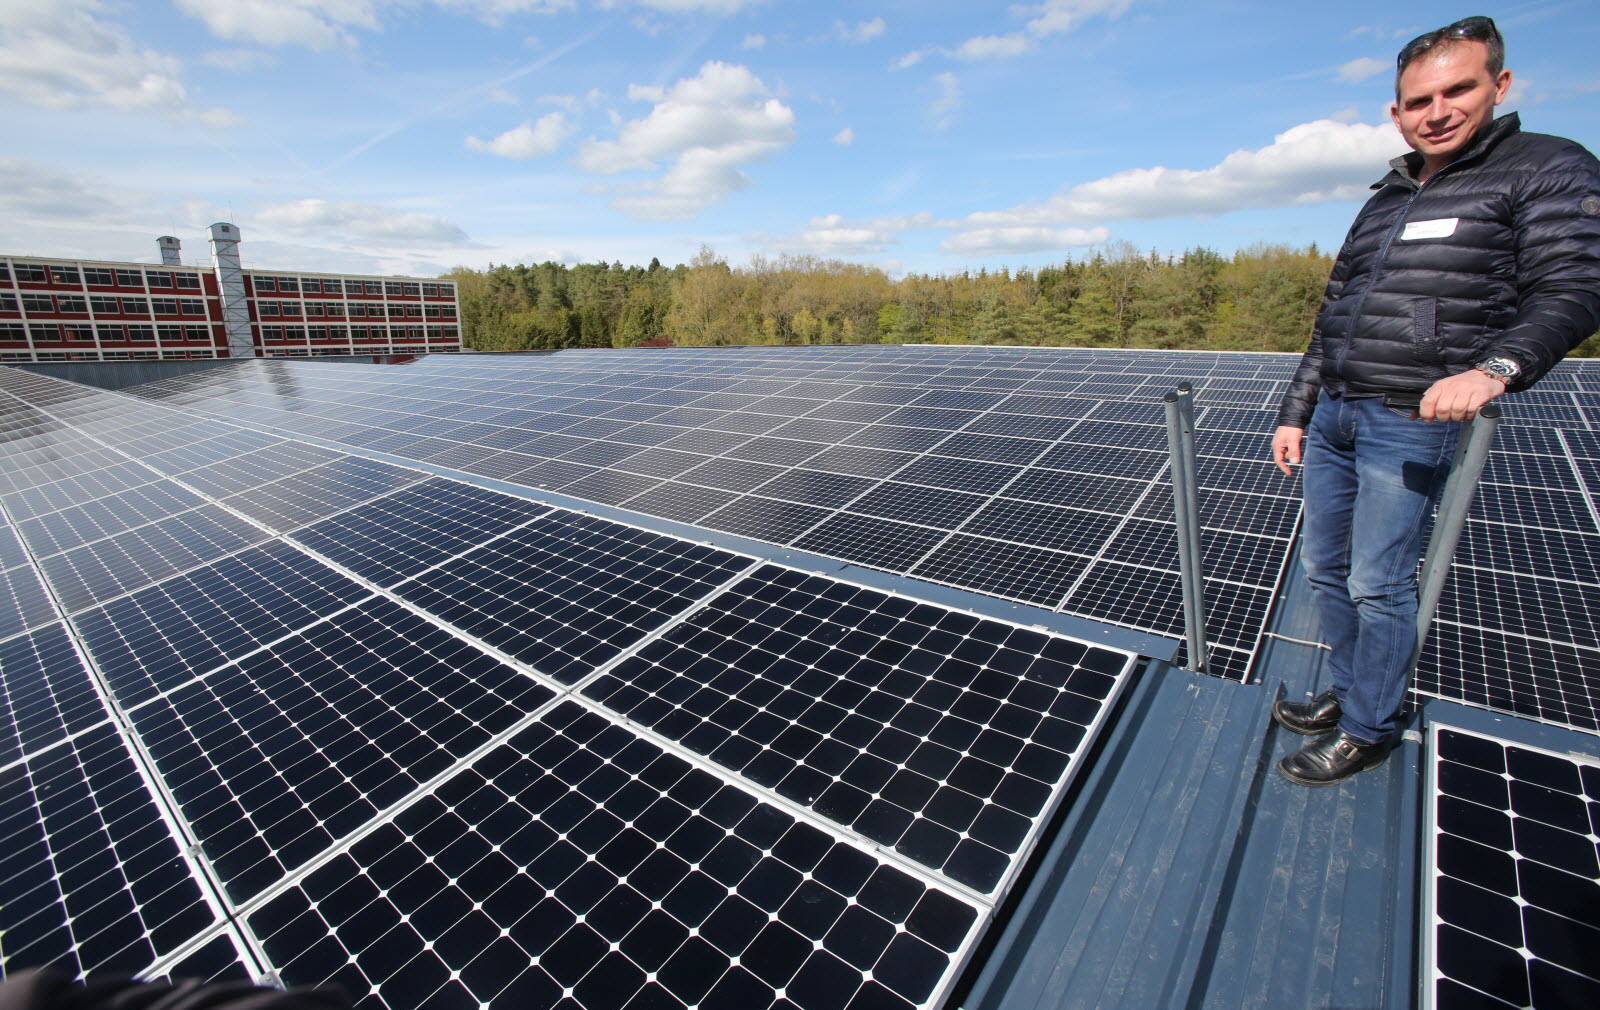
[
  {"x": 1472, "y": 451},
  {"x": 1192, "y": 478},
  {"x": 1180, "y": 446}
]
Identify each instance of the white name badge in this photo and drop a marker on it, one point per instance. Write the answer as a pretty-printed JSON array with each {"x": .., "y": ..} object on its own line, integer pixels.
[{"x": 1441, "y": 228}]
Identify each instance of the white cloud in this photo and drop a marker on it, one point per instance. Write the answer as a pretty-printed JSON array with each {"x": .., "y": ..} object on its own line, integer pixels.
[
  {"x": 1361, "y": 69},
  {"x": 530, "y": 140},
  {"x": 706, "y": 126},
  {"x": 993, "y": 47},
  {"x": 239, "y": 59},
  {"x": 833, "y": 235},
  {"x": 65, "y": 56},
  {"x": 348, "y": 219},
  {"x": 942, "y": 111},
  {"x": 693, "y": 6},
  {"x": 1316, "y": 162},
  {"x": 753, "y": 41},
  {"x": 315, "y": 24},
  {"x": 35, "y": 190},
  {"x": 1383, "y": 32},
  {"x": 845, "y": 137},
  {"x": 502, "y": 96},
  {"x": 910, "y": 59},
  {"x": 1019, "y": 240},
  {"x": 861, "y": 33},
  {"x": 327, "y": 24},
  {"x": 574, "y": 103},
  {"x": 495, "y": 12},
  {"x": 1053, "y": 17}
]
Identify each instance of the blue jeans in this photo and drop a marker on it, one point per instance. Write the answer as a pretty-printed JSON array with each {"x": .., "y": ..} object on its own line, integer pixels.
[{"x": 1372, "y": 477}]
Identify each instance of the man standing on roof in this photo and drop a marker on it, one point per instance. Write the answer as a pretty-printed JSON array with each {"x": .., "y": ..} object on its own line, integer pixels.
[{"x": 1472, "y": 270}]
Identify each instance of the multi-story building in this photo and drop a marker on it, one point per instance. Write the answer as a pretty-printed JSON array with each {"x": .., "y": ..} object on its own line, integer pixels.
[{"x": 83, "y": 310}]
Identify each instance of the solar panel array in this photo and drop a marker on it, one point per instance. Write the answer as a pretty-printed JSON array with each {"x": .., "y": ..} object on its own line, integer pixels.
[
  {"x": 1031, "y": 474},
  {"x": 1513, "y": 911},
  {"x": 273, "y": 708}
]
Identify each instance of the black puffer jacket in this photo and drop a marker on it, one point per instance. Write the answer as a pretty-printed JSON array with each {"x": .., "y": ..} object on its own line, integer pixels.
[{"x": 1497, "y": 256}]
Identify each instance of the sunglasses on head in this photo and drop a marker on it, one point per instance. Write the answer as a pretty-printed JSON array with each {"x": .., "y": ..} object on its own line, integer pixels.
[{"x": 1477, "y": 28}]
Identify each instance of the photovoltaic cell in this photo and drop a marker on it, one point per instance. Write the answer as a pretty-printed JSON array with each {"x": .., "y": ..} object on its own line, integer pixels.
[
  {"x": 766, "y": 519},
  {"x": 72, "y": 527},
  {"x": 12, "y": 553},
  {"x": 1040, "y": 577},
  {"x": 227, "y": 473},
  {"x": 24, "y": 601},
  {"x": 394, "y": 537},
  {"x": 567, "y": 592},
  {"x": 215, "y": 961},
  {"x": 274, "y": 759},
  {"x": 76, "y": 490},
  {"x": 45, "y": 694},
  {"x": 188, "y": 625},
  {"x": 579, "y": 865},
  {"x": 927, "y": 730},
  {"x": 297, "y": 500},
  {"x": 25, "y": 473},
  {"x": 93, "y": 878},
  {"x": 1513, "y": 916},
  {"x": 1553, "y": 681},
  {"x": 99, "y": 571}
]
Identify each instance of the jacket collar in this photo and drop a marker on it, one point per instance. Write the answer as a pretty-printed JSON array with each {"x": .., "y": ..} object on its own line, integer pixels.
[{"x": 1403, "y": 170}]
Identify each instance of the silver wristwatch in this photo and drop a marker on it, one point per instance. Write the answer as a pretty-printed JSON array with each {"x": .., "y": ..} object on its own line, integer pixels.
[{"x": 1503, "y": 369}]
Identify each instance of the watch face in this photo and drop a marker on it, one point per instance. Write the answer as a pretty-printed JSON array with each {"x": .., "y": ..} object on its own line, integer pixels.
[{"x": 1502, "y": 367}]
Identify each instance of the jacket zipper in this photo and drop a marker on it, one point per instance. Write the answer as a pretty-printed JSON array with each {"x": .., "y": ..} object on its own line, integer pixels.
[
  {"x": 1383, "y": 256},
  {"x": 1377, "y": 271}
]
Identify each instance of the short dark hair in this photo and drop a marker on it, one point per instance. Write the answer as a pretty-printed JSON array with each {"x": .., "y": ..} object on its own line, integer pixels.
[{"x": 1473, "y": 29}]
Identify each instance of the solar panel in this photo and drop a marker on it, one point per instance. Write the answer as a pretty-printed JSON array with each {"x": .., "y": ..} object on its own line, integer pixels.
[
  {"x": 24, "y": 601},
  {"x": 926, "y": 730},
  {"x": 393, "y": 698},
  {"x": 104, "y": 569},
  {"x": 825, "y": 464},
  {"x": 275, "y": 757},
  {"x": 185, "y": 626},
  {"x": 1512, "y": 915},
  {"x": 566, "y": 593},
  {"x": 1516, "y": 628},
  {"x": 46, "y": 692},
  {"x": 93, "y": 878},
  {"x": 579, "y": 862},
  {"x": 401, "y": 534},
  {"x": 303, "y": 498}
]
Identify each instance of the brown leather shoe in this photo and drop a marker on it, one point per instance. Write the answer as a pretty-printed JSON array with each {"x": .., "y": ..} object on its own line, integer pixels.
[
  {"x": 1329, "y": 759},
  {"x": 1319, "y": 715}
]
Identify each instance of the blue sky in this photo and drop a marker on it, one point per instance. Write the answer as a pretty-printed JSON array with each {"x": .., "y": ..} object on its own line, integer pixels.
[{"x": 409, "y": 136}]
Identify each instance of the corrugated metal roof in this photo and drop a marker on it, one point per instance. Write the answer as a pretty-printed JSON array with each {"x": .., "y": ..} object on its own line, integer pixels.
[{"x": 1189, "y": 873}]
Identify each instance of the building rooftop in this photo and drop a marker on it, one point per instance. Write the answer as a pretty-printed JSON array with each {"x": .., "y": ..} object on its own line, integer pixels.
[{"x": 816, "y": 677}]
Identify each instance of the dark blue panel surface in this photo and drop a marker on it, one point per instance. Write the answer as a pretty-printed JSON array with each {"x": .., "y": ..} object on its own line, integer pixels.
[
  {"x": 928, "y": 730},
  {"x": 106, "y": 569},
  {"x": 94, "y": 881},
  {"x": 190, "y": 624},
  {"x": 45, "y": 693},
  {"x": 273, "y": 760},
  {"x": 399, "y": 535},
  {"x": 568, "y": 592},
  {"x": 580, "y": 859},
  {"x": 1515, "y": 875}
]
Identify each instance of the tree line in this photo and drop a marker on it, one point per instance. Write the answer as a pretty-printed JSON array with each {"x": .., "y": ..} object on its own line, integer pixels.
[{"x": 1260, "y": 299}]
